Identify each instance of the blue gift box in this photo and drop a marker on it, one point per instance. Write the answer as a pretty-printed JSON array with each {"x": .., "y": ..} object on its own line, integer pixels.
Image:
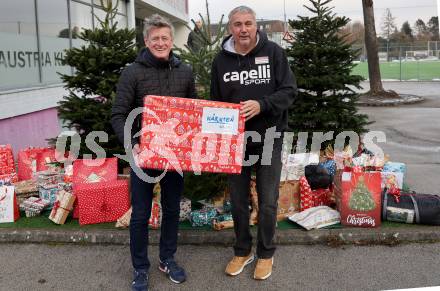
[
  {"x": 394, "y": 167},
  {"x": 49, "y": 194},
  {"x": 330, "y": 165},
  {"x": 203, "y": 217}
]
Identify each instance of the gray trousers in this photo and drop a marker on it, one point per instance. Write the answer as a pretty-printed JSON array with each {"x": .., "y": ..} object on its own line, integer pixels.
[{"x": 268, "y": 181}]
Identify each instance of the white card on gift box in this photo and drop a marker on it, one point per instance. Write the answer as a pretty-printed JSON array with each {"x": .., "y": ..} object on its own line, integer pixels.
[{"x": 7, "y": 204}]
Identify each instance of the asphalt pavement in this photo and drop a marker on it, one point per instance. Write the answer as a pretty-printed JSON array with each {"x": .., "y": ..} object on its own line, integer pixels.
[{"x": 76, "y": 267}]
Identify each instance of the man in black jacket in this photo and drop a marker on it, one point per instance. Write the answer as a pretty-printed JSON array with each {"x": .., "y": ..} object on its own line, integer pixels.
[
  {"x": 156, "y": 71},
  {"x": 253, "y": 71}
]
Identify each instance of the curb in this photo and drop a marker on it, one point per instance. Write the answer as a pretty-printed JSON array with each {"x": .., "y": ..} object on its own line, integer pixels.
[
  {"x": 377, "y": 101},
  {"x": 332, "y": 237}
]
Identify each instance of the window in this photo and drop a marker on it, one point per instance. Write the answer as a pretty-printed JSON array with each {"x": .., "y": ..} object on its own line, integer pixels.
[
  {"x": 54, "y": 39},
  {"x": 81, "y": 17},
  {"x": 19, "y": 58}
]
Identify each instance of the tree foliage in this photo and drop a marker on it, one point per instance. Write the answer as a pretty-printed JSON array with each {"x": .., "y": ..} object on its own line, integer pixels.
[
  {"x": 97, "y": 65},
  {"x": 322, "y": 62}
]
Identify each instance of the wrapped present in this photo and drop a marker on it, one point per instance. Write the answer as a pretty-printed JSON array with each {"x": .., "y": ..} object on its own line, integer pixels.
[
  {"x": 394, "y": 167},
  {"x": 48, "y": 177},
  {"x": 191, "y": 135},
  {"x": 316, "y": 217},
  {"x": 312, "y": 198},
  {"x": 32, "y": 160},
  {"x": 389, "y": 179},
  {"x": 155, "y": 220},
  {"x": 8, "y": 179},
  {"x": 33, "y": 206},
  {"x": 202, "y": 217},
  {"x": 49, "y": 192},
  {"x": 253, "y": 219},
  {"x": 219, "y": 225},
  {"x": 62, "y": 207},
  {"x": 94, "y": 171},
  {"x": 124, "y": 220},
  {"x": 361, "y": 199},
  {"x": 26, "y": 186},
  {"x": 9, "y": 211},
  {"x": 87, "y": 171},
  {"x": 289, "y": 198},
  {"x": 6, "y": 160},
  {"x": 330, "y": 166},
  {"x": 102, "y": 202},
  {"x": 343, "y": 158},
  {"x": 295, "y": 163},
  {"x": 185, "y": 209},
  {"x": 68, "y": 174},
  {"x": 227, "y": 206}
]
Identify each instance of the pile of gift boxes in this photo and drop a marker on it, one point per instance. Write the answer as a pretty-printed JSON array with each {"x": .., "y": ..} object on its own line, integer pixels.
[{"x": 316, "y": 189}]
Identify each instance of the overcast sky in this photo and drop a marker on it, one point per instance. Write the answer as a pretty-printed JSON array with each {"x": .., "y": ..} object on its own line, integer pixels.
[{"x": 402, "y": 10}]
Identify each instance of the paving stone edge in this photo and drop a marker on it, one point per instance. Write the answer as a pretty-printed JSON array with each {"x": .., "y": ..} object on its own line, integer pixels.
[{"x": 332, "y": 237}]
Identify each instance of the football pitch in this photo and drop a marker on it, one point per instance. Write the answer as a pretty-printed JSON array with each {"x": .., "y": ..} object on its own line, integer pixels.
[{"x": 405, "y": 70}]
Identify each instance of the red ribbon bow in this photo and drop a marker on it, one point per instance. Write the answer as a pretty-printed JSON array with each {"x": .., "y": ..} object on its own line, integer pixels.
[{"x": 395, "y": 192}]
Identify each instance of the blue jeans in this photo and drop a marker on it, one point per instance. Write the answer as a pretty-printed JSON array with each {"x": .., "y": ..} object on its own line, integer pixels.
[{"x": 141, "y": 199}]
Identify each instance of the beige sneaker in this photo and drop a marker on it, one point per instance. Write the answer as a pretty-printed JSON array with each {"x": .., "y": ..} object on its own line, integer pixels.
[
  {"x": 237, "y": 264},
  {"x": 263, "y": 269}
]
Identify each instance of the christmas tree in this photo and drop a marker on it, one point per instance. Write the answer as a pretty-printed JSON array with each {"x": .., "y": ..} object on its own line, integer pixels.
[
  {"x": 322, "y": 62},
  {"x": 201, "y": 59},
  {"x": 361, "y": 199},
  {"x": 206, "y": 185},
  {"x": 92, "y": 88}
]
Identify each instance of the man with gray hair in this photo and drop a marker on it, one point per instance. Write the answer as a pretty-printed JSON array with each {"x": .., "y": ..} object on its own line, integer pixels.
[
  {"x": 253, "y": 71},
  {"x": 156, "y": 71}
]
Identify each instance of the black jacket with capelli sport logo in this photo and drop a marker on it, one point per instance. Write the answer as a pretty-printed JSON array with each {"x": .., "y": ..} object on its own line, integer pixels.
[
  {"x": 263, "y": 75},
  {"x": 148, "y": 76}
]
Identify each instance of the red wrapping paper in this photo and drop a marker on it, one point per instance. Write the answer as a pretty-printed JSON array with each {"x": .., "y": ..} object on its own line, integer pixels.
[
  {"x": 173, "y": 136},
  {"x": 102, "y": 202},
  {"x": 86, "y": 172},
  {"x": 312, "y": 198},
  {"x": 361, "y": 199},
  {"x": 33, "y": 160},
  {"x": 6, "y": 160}
]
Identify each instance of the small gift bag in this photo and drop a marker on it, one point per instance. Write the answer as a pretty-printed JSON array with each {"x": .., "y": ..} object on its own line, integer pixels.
[
  {"x": 32, "y": 160},
  {"x": 361, "y": 199},
  {"x": 8, "y": 205}
]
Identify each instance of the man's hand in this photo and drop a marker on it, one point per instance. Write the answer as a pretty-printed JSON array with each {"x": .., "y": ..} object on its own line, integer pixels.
[{"x": 250, "y": 108}]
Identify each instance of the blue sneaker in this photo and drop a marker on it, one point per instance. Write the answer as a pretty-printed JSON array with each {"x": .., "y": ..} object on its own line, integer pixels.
[
  {"x": 174, "y": 272},
  {"x": 140, "y": 280}
]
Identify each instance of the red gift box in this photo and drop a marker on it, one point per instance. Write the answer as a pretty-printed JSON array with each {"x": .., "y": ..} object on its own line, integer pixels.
[
  {"x": 102, "y": 202},
  {"x": 191, "y": 135},
  {"x": 86, "y": 171},
  {"x": 33, "y": 160},
  {"x": 312, "y": 198},
  {"x": 361, "y": 199},
  {"x": 97, "y": 170},
  {"x": 6, "y": 160}
]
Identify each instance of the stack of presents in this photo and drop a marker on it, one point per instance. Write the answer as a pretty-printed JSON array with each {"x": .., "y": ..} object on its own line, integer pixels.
[{"x": 316, "y": 189}]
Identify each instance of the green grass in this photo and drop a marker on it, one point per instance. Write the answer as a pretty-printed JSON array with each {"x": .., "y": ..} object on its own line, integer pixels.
[
  {"x": 43, "y": 222},
  {"x": 410, "y": 70}
]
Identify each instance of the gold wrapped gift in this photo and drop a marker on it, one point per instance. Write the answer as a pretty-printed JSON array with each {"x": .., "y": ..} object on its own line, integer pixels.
[{"x": 62, "y": 206}]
